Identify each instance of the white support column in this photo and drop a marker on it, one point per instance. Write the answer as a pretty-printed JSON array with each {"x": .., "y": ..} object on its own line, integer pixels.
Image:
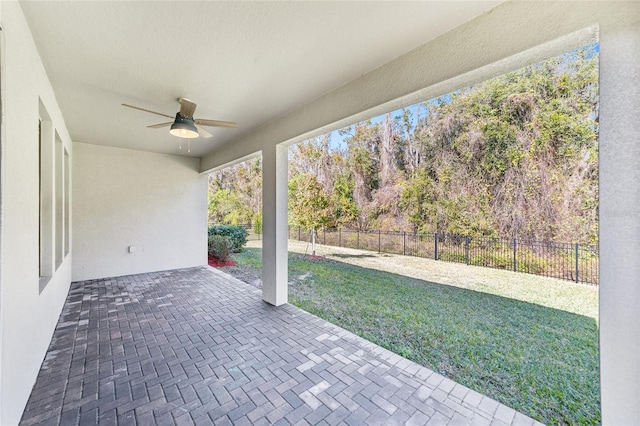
[
  {"x": 274, "y": 224},
  {"x": 620, "y": 223}
]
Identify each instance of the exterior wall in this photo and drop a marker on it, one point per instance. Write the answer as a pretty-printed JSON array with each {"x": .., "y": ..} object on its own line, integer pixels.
[
  {"x": 27, "y": 316},
  {"x": 122, "y": 198}
]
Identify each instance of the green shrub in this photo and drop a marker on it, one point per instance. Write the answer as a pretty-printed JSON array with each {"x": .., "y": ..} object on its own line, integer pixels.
[
  {"x": 236, "y": 235},
  {"x": 218, "y": 247}
]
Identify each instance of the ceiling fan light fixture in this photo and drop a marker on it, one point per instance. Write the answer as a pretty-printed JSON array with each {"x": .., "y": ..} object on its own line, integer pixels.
[{"x": 184, "y": 127}]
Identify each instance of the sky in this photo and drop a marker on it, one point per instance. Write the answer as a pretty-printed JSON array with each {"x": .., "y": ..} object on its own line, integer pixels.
[{"x": 337, "y": 142}]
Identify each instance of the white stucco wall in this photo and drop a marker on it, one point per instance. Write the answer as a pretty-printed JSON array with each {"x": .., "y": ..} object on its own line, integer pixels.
[
  {"x": 122, "y": 198},
  {"x": 27, "y": 317}
]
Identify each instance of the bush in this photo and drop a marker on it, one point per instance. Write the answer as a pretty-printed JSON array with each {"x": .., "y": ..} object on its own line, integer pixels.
[
  {"x": 236, "y": 235},
  {"x": 218, "y": 247}
]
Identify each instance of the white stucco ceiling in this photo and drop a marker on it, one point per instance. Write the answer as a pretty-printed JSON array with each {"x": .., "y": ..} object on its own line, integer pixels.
[{"x": 248, "y": 62}]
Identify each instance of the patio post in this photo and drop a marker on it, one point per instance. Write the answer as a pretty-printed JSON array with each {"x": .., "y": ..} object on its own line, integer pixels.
[
  {"x": 619, "y": 211},
  {"x": 274, "y": 219}
]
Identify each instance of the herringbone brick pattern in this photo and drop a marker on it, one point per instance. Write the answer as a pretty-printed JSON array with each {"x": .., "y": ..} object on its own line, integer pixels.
[{"x": 197, "y": 347}]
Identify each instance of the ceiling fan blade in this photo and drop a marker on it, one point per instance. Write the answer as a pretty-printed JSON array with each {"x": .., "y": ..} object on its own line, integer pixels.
[
  {"x": 187, "y": 108},
  {"x": 216, "y": 123},
  {"x": 148, "y": 110},
  {"x": 157, "y": 126},
  {"x": 203, "y": 132}
]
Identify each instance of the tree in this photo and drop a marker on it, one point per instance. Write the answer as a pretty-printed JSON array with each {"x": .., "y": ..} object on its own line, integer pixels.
[
  {"x": 363, "y": 159},
  {"x": 225, "y": 206},
  {"x": 514, "y": 156},
  {"x": 235, "y": 193},
  {"x": 308, "y": 205},
  {"x": 342, "y": 205}
]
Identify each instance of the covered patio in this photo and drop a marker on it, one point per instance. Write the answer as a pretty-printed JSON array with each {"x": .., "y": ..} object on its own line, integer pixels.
[
  {"x": 197, "y": 346},
  {"x": 89, "y": 192}
]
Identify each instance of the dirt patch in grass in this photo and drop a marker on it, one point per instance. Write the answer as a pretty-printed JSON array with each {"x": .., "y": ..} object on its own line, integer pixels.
[
  {"x": 314, "y": 257},
  {"x": 246, "y": 267}
]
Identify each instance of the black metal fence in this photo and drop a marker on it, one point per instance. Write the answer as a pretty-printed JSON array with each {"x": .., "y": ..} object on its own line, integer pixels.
[{"x": 575, "y": 262}]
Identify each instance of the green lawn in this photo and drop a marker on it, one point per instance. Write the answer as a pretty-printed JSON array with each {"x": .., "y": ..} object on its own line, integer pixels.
[{"x": 539, "y": 360}]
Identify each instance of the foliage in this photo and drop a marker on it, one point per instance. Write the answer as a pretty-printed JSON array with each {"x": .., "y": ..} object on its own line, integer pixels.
[
  {"x": 515, "y": 156},
  {"x": 235, "y": 193},
  {"x": 227, "y": 207},
  {"x": 342, "y": 206},
  {"x": 308, "y": 204},
  {"x": 257, "y": 223},
  {"x": 219, "y": 247},
  {"x": 236, "y": 235}
]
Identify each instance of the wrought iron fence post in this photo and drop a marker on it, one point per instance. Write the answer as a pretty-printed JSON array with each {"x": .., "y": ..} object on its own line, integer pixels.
[
  {"x": 324, "y": 236},
  {"x": 404, "y": 243},
  {"x": 378, "y": 241},
  {"x": 358, "y": 239},
  {"x": 299, "y": 234},
  {"x": 466, "y": 249},
  {"x": 577, "y": 248},
  {"x": 515, "y": 248},
  {"x": 435, "y": 246},
  {"x": 339, "y": 237}
]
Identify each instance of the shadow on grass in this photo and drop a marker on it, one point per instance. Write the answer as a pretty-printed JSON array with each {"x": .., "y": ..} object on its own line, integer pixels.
[
  {"x": 350, "y": 256},
  {"x": 538, "y": 360}
]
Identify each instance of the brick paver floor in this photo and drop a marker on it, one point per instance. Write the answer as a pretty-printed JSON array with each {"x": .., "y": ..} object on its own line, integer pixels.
[{"x": 196, "y": 346}]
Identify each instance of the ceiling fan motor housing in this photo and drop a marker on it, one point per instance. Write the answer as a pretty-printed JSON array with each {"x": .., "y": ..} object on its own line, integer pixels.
[{"x": 184, "y": 127}]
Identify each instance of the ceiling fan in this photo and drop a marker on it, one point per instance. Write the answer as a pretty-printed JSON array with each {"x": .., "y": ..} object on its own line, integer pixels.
[{"x": 184, "y": 125}]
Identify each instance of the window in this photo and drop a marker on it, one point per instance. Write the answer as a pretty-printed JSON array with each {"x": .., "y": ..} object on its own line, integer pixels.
[
  {"x": 54, "y": 233},
  {"x": 59, "y": 201},
  {"x": 46, "y": 145},
  {"x": 67, "y": 203}
]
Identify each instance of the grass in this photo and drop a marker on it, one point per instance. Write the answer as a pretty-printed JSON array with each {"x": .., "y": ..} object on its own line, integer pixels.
[
  {"x": 554, "y": 293},
  {"x": 539, "y": 360}
]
